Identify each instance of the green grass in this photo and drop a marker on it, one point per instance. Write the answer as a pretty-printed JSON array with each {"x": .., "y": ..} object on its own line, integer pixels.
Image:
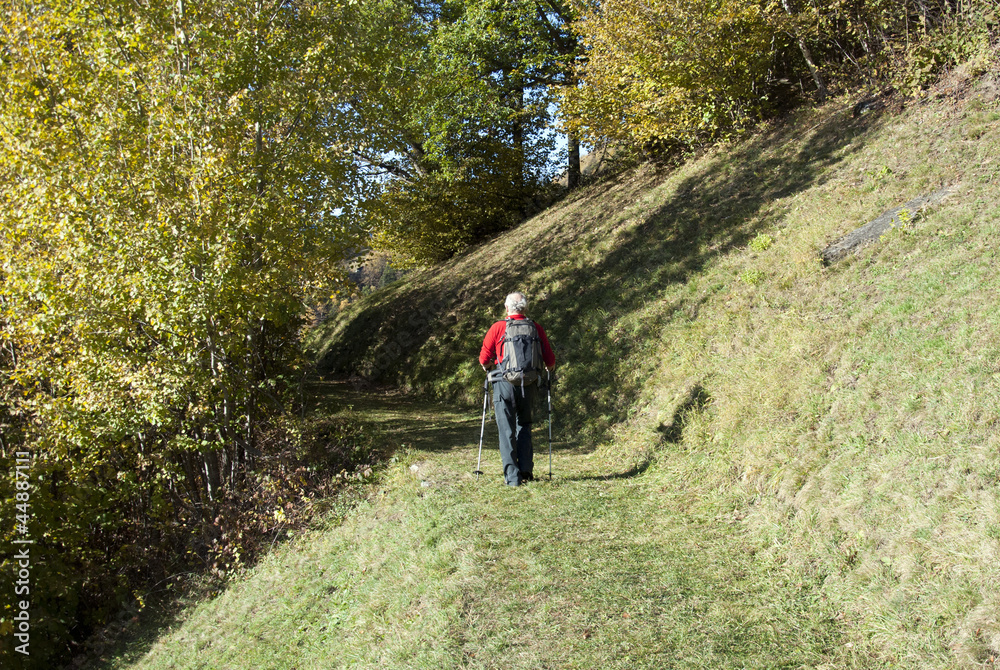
[
  {"x": 437, "y": 570},
  {"x": 803, "y": 459},
  {"x": 851, "y": 412}
]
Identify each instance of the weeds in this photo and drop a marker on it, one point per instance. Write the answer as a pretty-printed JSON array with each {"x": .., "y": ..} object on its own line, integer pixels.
[{"x": 761, "y": 243}]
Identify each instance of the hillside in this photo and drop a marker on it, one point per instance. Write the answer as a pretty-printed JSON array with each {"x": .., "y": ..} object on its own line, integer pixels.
[
  {"x": 759, "y": 461},
  {"x": 846, "y": 414},
  {"x": 593, "y": 569}
]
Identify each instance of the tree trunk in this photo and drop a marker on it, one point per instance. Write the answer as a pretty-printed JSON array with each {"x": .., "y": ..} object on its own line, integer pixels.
[
  {"x": 573, "y": 173},
  {"x": 821, "y": 92},
  {"x": 518, "y": 138}
]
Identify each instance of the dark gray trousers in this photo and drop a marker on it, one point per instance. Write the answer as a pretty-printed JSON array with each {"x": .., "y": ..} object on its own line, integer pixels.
[{"x": 513, "y": 411}]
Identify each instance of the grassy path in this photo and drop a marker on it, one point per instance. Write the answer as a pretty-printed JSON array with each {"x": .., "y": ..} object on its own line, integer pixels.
[{"x": 594, "y": 569}]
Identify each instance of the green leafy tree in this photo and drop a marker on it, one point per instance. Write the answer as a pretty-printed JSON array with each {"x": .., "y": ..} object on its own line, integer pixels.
[
  {"x": 176, "y": 183},
  {"x": 461, "y": 121},
  {"x": 682, "y": 72},
  {"x": 879, "y": 43}
]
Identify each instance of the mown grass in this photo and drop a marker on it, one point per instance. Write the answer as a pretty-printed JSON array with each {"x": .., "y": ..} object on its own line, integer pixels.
[{"x": 849, "y": 414}]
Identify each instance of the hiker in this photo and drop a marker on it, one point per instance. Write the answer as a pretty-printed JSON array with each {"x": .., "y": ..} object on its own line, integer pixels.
[{"x": 515, "y": 383}]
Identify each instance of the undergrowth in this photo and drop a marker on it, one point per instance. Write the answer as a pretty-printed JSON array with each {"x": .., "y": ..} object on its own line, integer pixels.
[{"x": 317, "y": 468}]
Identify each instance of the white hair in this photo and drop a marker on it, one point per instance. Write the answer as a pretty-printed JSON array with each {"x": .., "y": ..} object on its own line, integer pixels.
[{"x": 516, "y": 303}]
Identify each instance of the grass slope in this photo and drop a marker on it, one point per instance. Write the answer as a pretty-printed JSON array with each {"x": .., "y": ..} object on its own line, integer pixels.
[
  {"x": 438, "y": 570},
  {"x": 762, "y": 462},
  {"x": 848, "y": 416}
]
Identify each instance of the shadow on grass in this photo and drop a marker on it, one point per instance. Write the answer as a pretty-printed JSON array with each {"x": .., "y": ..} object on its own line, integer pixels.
[
  {"x": 418, "y": 423},
  {"x": 695, "y": 399},
  {"x": 406, "y": 420},
  {"x": 631, "y": 473},
  {"x": 599, "y": 314},
  {"x": 125, "y": 642}
]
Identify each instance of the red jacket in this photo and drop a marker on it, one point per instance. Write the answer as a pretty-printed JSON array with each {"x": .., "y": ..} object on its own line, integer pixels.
[{"x": 493, "y": 343}]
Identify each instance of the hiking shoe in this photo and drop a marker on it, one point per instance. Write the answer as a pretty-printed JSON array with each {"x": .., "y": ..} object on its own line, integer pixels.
[
  {"x": 514, "y": 483},
  {"x": 527, "y": 477}
]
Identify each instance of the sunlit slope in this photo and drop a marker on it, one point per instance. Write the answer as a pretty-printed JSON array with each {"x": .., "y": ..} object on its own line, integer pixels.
[{"x": 848, "y": 414}]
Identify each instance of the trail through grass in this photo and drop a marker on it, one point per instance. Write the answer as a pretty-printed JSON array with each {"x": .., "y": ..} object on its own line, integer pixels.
[
  {"x": 846, "y": 417},
  {"x": 817, "y": 446},
  {"x": 594, "y": 568}
]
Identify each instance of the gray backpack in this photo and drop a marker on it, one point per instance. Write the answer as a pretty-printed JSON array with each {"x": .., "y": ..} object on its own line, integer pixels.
[{"x": 522, "y": 352}]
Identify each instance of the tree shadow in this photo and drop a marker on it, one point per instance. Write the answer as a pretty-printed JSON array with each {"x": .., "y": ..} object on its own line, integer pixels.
[
  {"x": 399, "y": 415},
  {"x": 631, "y": 473},
  {"x": 710, "y": 214},
  {"x": 695, "y": 399},
  {"x": 595, "y": 272}
]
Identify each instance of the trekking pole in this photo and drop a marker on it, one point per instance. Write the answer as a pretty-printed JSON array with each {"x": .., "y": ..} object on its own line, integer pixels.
[
  {"x": 482, "y": 429},
  {"x": 549, "y": 391}
]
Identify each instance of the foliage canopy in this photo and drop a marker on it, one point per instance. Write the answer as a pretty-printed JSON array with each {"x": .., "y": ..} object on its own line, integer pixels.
[
  {"x": 675, "y": 70},
  {"x": 467, "y": 95}
]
